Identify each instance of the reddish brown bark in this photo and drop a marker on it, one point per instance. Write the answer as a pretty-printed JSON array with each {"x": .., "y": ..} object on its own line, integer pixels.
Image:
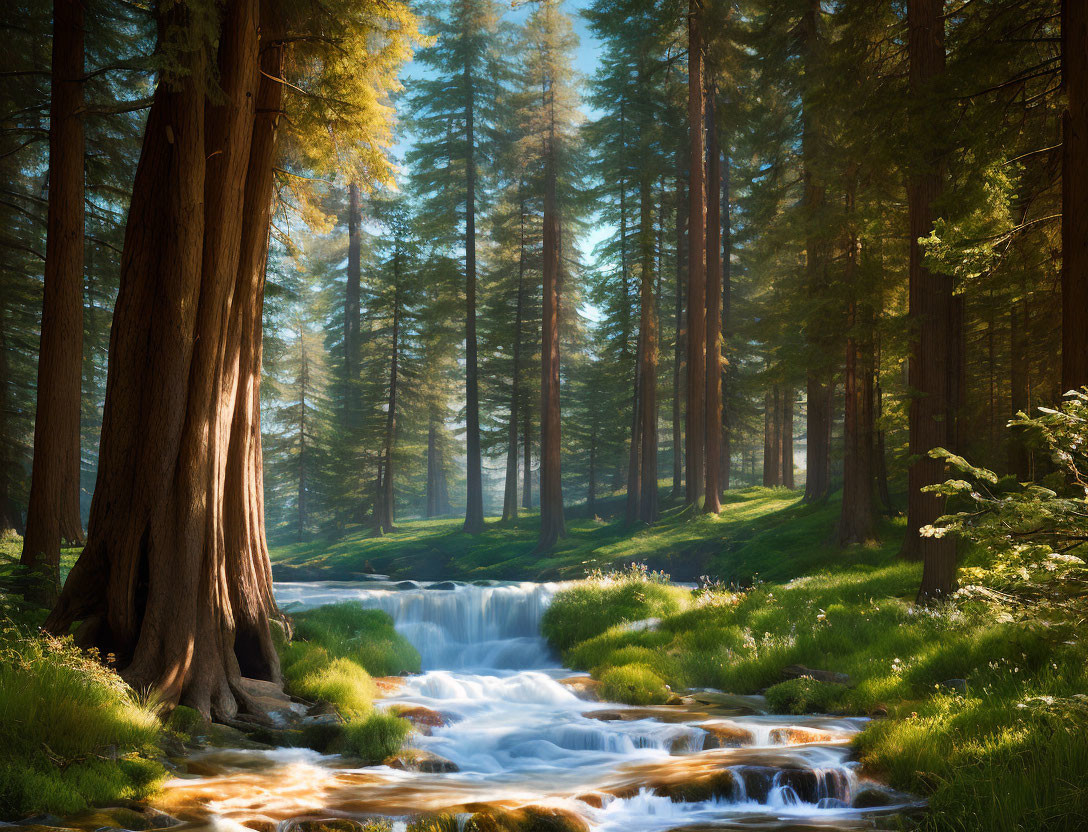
[
  {"x": 53, "y": 511},
  {"x": 647, "y": 408},
  {"x": 1075, "y": 195},
  {"x": 552, "y": 525},
  {"x": 712, "y": 504},
  {"x": 11, "y": 519},
  {"x": 857, "y": 521},
  {"x": 633, "y": 497},
  {"x": 727, "y": 292},
  {"x": 678, "y": 343},
  {"x": 175, "y": 580},
  {"x": 695, "y": 446},
  {"x": 510, "y": 494},
  {"x": 474, "y": 506},
  {"x": 933, "y": 367},
  {"x": 772, "y": 438}
]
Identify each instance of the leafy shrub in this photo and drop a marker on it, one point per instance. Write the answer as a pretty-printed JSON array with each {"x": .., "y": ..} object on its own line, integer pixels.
[
  {"x": 804, "y": 696},
  {"x": 633, "y": 684},
  {"x": 71, "y": 731},
  {"x": 590, "y": 607},
  {"x": 365, "y": 636},
  {"x": 374, "y": 737}
]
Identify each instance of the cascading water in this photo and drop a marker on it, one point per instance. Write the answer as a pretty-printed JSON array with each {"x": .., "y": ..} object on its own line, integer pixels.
[{"x": 518, "y": 735}]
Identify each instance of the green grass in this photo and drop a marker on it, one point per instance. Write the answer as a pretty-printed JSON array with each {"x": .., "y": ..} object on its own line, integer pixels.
[
  {"x": 634, "y": 683},
  {"x": 1009, "y": 753},
  {"x": 72, "y": 734},
  {"x": 762, "y": 533},
  {"x": 334, "y": 654}
]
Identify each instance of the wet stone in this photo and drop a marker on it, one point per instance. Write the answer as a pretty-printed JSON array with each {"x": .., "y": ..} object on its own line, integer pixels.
[{"x": 414, "y": 759}]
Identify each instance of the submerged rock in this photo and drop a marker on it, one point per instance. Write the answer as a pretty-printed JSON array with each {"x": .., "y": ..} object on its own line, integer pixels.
[
  {"x": 584, "y": 687},
  {"x": 408, "y": 585},
  {"x": 795, "y": 735},
  {"x": 725, "y": 735},
  {"x": 416, "y": 759},
  {"x": 527, "y": 819},
  {"x": 423, "y": 719},
  {"x": 445, "y": 585}
]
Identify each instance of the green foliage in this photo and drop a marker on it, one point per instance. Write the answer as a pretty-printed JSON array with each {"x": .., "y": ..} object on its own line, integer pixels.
[
  {"x": 367, "y": 637},
  {"x": 374, "y": 737},
  {"x": 634, "y": 684},
  {"x": 606, "y": 599},
  {"x": 186, "y": 720},
  {"x": 339, "y": 681},
  {"x": 804, "y": 696},
  {"x": 72, "y": 734}
]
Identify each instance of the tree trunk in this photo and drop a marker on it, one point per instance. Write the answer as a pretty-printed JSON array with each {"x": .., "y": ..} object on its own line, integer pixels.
[
  {"x": 432, "y": 468},
  {"x": 53, "y": 511},
  {"x": 303, "y": 386},
  {"x": 591, "y": 486},
  {"x": 696, "y": 386},
  {"x": 1075, "y": 195},
  {"x": 727, "y": 291},
  {"x": 678, "y": 344},
  {"x": 713, "y": 504},
  {"x": 552, "y": 525},
  {"x": 527, "y": 461},
  {"x": 474, "y": 506},
  {"x": 388, "y": 494},
  {"x": 818, "y": 384},
  {"x": 1019, "y": 327},
  {"x": 647, "y": 329},
  {"x": 785, "y": 437},
  {"x": 11, "y": 519},
  {"x": 931, "y": 315},
  {"x": 857, "y": 521},
  {"x": 352, "y": 307},
  {"x": 633, "y": 498},
  {"x": 175, "y": 580},
  {"x": 510, "y": 494},
  {"x": 772, "y": 438}
]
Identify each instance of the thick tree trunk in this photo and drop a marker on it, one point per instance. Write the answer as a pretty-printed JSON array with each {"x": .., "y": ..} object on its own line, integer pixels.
[
  {"x": 175, "y": 580},
  {"x": 696, "y": 408},
  {"x": 633, "y": 498},
  {"x": 678, "y": 344},
  {"x": 727, "y": 332},
  {"x": 510, "y": 494},
  {"x": 647, "y": 328},
  {"x": 1075, "y": 195},
  {"x": 772, "y": 438},
  {"x": 932, "y": 318},
  {"x": 785, "y": 437},
  {"x": 552, "y": 525},
  {"x": 53, "y": 511},
  {"x": 474, "y": 506},
  {"x": 713, "y": 505},
  {"x": 819, "y": 396}
]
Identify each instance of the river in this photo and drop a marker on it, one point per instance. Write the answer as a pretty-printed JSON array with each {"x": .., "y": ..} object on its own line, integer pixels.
[{"x": 520, "y": 736}]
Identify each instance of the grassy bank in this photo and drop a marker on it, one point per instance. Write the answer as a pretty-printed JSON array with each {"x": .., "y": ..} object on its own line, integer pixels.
[
  {"x": 986, "y": 706},
  {"x": 732, "y": 546},
  {"x": 334, "y": 655}
]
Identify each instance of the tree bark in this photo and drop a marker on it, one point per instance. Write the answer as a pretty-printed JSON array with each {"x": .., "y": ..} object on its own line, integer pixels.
[
  {"x": 510, "y": 494},
  {"x": 772, "y": 438},
  {"x": 647, "y": 373},
  {"x": 53, "y": 511},
  {"x": 11, "y": 519},
  {"x": 175, "y": 580},
  {"x": 857, "y": 519},
  {"x": 352, "y": 306},
  {"x": 696, "y": 382},
  {"x": 303, "y": 427},
  {"x": 527, "y": 461},
  {"x": 1019, "y": 327},
  {"x": 552, "y": 525},
  {"x": 712, "y": 504},
  {"x": 727, "y": 332},
  {"x": 678, "y": 344},
  {"x": 388, "y": 494},
  {"x": 931, "y": 314},
  {"x": 1074, "y": 274},
  {"x": 633, "y": 498},
  {"x": 474, "y": 506}
]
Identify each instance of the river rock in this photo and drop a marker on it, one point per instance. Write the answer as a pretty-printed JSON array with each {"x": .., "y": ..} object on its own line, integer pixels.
[
  {"x": 730, "y": 702},
  {"x": 423, "y": 719},
  {"x": 725, "y": 735},
  {"x": 325, "y": 825},
  {"x": 42, "y": 820},
  {"x": 799, "y": 671},
  {"x": 416, "y": 759},
  {"x": 584, "y": 687},
  {"x": 408, "y": 585},
  {"x": 388, "y": 685},
  {"x": 795, "y": 735},
  {"x": 873, "y": 797},
  {"x": 444, "y": 585},
  {"x": 527, "y": 819}
]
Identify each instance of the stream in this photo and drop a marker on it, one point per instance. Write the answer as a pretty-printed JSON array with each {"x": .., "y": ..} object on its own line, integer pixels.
[{"x": 520, "y": 735}]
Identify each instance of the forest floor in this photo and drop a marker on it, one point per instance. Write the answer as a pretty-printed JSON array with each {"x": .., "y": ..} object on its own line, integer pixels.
[{"x": 761, "y": 534}]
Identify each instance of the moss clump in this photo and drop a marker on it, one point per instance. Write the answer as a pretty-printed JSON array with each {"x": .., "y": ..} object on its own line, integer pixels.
[
  {"x": 590, "y": 607},
  {"x": 804, "y": 696},
  {"x": 72, "y": 733},
  {"x": 633, "y": 684},
  {"x": 374, "y": 737},
  {"x": 341, "y": 682},
  {"x": 367, "y": 637},
  {"x": 185, "y": 720}
]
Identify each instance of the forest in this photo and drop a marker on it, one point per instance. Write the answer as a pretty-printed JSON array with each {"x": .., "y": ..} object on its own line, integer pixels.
[{"x": 600, "y": 414}]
